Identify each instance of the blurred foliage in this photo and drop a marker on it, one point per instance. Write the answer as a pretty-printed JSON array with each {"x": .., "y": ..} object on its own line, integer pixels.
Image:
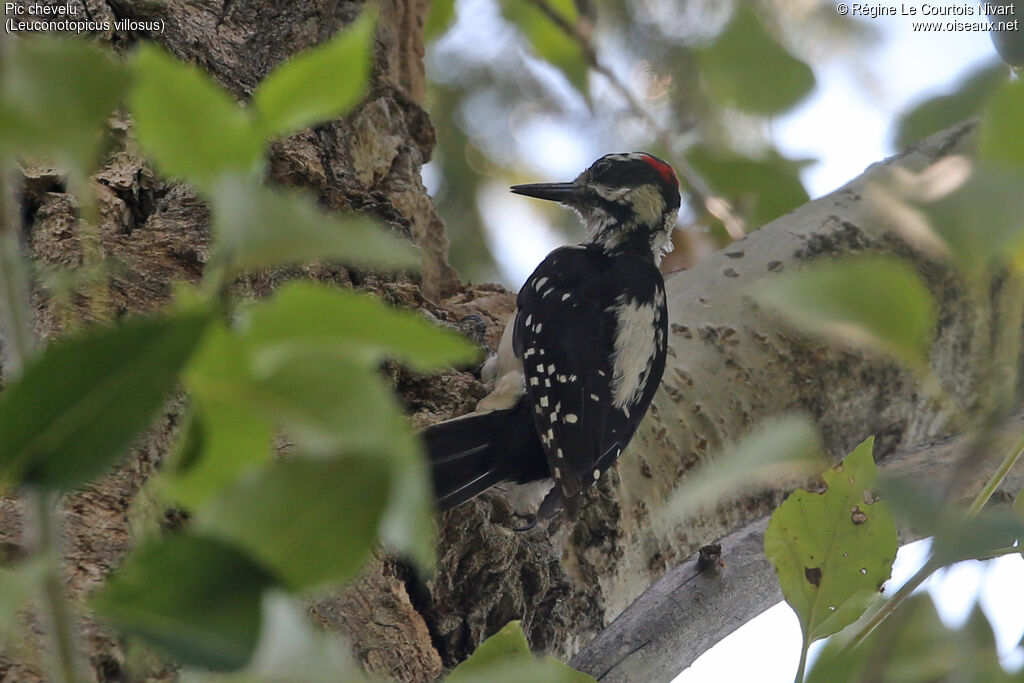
[
  {"x": 967, "y": 99},
  {"x": 914, "y": 646},
  {"x": 221, "y": 593},
  {"x": 777, "y": 453},
  {"x": 506, "y": 657},
  {"x": 704, "y": 79},
  {"x": 873, "y": 301}
]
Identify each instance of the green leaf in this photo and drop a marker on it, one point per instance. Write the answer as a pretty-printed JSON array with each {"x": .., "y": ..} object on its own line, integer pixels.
[
  {"x": 55, "y": 95},
  {"x": 783, "y": 449},
  {"x": 763, "y": 189},
  {"x": 955, "y": 536},
  {"x": 290, "y": 650},
  {"x": 320, "y": 83},
  {"x": 506, "y": 656},
  {"x": 196, "y": 598},
  {"x": 833, "y": 550},
  {"x": 258, "y": 227},
  {"x": 873, "y": 301},
  {"x": 548, "y": 40},
  {"x": 748, "y": 69},
  {"x": 439, "y": 18},
  {"x": 19, "y": 586},
  {"x": 914, "y": 645},
  {"x": 999, "y": 137},
  {"x": 306, "y": 317},
  {"x": 310, "y": 521},
  {"x": 330, "y": 405},
  {"x": 970, "y": 212},
  {"x": 192, "y": 128},
  {"x": 221, "y": 440},
  {"x": 80, "y": 404},
  {"x": 508, "y": 643},
  {"x": 943, "y": 111},
  {"x": 330, "y": 400}
]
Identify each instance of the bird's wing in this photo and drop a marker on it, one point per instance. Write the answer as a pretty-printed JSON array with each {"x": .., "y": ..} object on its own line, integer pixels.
[{"x": 572, "y": 346}]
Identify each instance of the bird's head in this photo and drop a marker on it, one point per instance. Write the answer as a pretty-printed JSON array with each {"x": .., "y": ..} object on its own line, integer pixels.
[{"x": 626, "y": 201}]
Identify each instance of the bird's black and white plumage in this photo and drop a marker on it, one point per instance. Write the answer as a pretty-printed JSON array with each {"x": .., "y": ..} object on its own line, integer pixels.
[{"x": 580, "y": 360}]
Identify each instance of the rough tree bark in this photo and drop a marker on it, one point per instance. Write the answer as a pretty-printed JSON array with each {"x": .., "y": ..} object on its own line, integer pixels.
[{"x": 731, "y": 364}]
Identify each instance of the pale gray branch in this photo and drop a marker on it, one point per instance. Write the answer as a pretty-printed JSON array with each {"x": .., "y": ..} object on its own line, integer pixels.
[{"x": 688, "y": 610}]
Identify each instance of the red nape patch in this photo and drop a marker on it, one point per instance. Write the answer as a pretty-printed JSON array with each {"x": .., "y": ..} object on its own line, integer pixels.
[{"x": 666, "y": 172}]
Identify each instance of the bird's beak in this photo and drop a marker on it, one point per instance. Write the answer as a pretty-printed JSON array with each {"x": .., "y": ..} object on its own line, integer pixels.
[{"x": 566, "y": 193}]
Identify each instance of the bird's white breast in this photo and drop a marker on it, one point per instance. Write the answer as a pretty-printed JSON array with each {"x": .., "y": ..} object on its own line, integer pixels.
[{"x": 635, "y": 347}]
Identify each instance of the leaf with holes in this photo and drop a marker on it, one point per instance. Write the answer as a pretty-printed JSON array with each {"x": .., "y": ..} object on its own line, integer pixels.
[{"x": 833, "y": 550}]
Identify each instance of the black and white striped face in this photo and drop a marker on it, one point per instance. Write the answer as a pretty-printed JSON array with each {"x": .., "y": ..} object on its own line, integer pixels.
[{"x": 623, "y": 199}]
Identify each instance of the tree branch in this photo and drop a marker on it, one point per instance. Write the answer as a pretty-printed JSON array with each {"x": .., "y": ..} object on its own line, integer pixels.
[{"x": 688, "y": 610}]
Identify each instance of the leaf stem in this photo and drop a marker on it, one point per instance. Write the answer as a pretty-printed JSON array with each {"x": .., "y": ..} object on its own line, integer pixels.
[
  {"x": 994, "y": 481},
  {"x": 15, "y": 325},
  {"x": 800, "y": 671},
  {"x": 890, "y": 605},
  {"x": 55, "y": 601},
  {"x": 16, "y": 330}
]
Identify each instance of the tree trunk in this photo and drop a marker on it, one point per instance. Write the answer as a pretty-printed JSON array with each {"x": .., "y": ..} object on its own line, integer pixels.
[{"x": 730, "y": 364}]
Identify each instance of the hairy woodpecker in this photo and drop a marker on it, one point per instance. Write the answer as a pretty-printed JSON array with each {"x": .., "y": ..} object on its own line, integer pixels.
[{"x": 579, "y": 362}]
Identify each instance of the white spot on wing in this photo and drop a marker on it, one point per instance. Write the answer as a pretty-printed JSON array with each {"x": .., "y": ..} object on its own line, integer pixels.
[
  {"x": 570, "y": 418},
  {"x": 543, "y": 401}
]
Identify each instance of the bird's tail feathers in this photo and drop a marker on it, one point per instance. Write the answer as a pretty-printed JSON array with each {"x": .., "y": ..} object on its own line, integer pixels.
[{"x": 472, "y": 453}]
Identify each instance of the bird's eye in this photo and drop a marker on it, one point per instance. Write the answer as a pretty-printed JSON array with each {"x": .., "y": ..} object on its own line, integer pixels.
[{"x": 600, "y": 167}]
